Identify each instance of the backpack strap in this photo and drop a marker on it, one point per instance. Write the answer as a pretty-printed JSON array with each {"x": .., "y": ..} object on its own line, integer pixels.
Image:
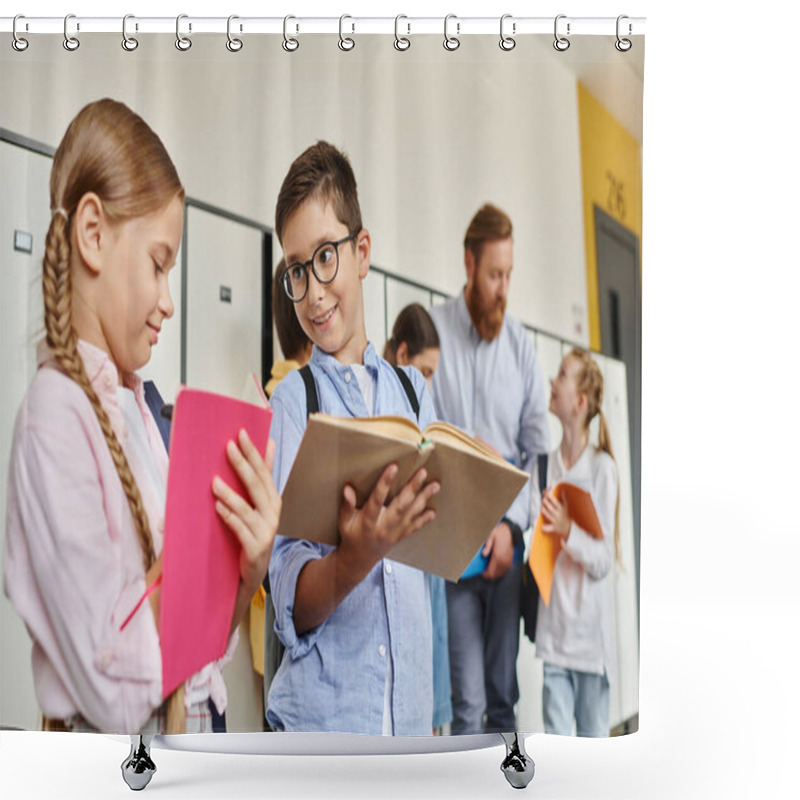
[
  {"x": 156, "y": 405},
  {"x": 541, "y": 463},
  {"x": 312, "y": 399},
  {"x": 409, "y": 387}
]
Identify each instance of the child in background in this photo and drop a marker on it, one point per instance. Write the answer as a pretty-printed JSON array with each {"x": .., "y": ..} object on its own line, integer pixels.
[
  {"x": 415, "y": 342},
  {"x": 87, "y": 478},
  {"x": 265, "y": 646},
  {"x": 574, "y": 635},
  {"x": 356, "y": 626},
  {"x": 295, "y": 345}
]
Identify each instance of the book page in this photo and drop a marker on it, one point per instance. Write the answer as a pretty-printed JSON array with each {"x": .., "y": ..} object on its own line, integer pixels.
[
  {"x": 394, "y": 426},
  {"x": 475, "y": 492},
  {"x": 446, "y": 433}
]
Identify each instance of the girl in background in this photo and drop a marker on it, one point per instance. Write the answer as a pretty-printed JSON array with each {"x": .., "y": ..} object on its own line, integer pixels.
[
  {"x": 574, "y": 634},
  {"x": 295, "y": 345},
  {"x": 265, "y": 646},
  {"x": 415, "y": 343},
  {"x": 87, "y": 478}
]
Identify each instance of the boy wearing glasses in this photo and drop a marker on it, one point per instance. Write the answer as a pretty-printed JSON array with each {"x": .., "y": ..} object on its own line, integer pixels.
[{"x": 356, "y": 626}]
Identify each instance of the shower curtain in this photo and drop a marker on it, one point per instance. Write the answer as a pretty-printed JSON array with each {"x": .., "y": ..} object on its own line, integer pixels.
[{"x": 547, "y": 126}]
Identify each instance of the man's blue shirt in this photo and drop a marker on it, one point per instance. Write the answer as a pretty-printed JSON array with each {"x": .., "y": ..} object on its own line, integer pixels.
[{"x": 493, "y": 390}]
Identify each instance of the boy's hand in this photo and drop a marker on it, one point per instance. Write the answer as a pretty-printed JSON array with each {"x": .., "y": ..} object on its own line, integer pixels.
[
  {"x": 556, "y": 521},
  {"x": 369, "y": 532}
]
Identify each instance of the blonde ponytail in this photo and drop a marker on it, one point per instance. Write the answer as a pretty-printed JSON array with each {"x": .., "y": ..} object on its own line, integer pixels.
[
  {"x": 590, "y": 383},
  {"x": 604, "y": 443}
]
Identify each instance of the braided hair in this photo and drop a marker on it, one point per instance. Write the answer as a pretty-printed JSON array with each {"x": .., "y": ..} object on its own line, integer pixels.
[{"x": 110, "y": 151}]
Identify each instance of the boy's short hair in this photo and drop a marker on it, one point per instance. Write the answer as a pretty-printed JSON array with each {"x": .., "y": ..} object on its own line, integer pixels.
[
  {"x": 292, "y": 337},
  {"x": 320, "y": 171},
  {"x": 489, "y": 224}
]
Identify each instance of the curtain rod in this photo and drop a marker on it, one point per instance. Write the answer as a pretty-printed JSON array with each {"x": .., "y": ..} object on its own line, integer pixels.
[{"x": 74, "y": 25}]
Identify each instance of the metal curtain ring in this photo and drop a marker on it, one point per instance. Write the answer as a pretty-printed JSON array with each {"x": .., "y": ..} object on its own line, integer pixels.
[
  {"x": 345, "y": 42},
  {"x": 233, "y": 44},
  {"x": 17, "y": 42},
  {"x": 71, "y": 43},
  {"x": 129, "y": 43},
  {"x": 623, "y": 45},
  {"x": 451, "y": 42},
  {"x": 560, "y": 43},
  {"x": 182, "y": 42},
  {"x": 289, "y": 44},
  {"x": 401, "y": 42},
  {"x": 507, "y": 42}
]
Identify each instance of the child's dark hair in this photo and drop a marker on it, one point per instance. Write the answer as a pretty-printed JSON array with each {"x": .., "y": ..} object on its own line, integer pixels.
[
  {"x": 415, "y": 327},
  {"x": 321, "y": 171},
  {"x": 292, "y": 337}
]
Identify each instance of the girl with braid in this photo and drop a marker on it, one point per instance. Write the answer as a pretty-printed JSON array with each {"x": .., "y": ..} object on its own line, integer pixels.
[
  {"x": 87, "y": 479},
  {"x": 574, "y": 635}
]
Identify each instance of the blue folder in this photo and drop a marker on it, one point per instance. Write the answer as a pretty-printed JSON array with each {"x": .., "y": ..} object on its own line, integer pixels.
[{"x": 479, "y": 563}]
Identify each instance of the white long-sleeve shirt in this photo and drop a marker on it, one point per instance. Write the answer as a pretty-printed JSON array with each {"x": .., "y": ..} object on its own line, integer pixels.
[{"x": 576, "y": 630}]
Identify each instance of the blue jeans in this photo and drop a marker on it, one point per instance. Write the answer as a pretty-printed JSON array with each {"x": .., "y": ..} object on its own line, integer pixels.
[
  {"x": 483, "y": 618},
  {"x": 568, "y": 694},
  {"x": 442, "y": 705}
]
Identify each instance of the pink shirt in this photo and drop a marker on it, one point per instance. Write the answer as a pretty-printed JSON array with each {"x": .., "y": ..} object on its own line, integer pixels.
[{"x": 73, "y": 564}]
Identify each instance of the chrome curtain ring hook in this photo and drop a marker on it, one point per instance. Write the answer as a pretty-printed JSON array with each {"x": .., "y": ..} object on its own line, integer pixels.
[
  {"x": 507, "y": 42},
  {"x": 183, "y": 43},
  {"x": 561, "y": 43},
  {"x": 345, "y": 42},
  {"x": 129, "y": 43},
  {"x": 17, "y": 42},
  {"x": 290, "y": 44},
  {"x": 451, "y": 43},
  {"x": 623, "y": 45},
  {"x": 401, "y": 42},
  {"x": 71, "y": 43},
  {"x": 233, "y": 44}
]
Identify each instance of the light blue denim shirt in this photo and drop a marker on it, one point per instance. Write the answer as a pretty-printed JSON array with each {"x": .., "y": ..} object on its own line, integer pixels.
[
  {"x": 493, "y": 390},
  {"x": 333, "y": 677}
]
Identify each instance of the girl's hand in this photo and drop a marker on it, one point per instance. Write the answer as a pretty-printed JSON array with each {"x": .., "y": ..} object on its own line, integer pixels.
[
  {"x": 556, "y": 518},
  {"x": 369, "y": 532},
  {"x": 254, "y": 521}
]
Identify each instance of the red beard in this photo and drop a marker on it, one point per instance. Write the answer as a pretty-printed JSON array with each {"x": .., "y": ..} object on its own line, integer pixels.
[{"x": 487, "y": 317}]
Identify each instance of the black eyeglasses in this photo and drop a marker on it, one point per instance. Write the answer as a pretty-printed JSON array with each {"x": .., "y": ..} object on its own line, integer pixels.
[{"x": 324, "y": 263}]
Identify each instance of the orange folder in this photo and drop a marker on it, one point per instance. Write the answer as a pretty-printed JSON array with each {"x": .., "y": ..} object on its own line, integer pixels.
[
  {"x": 200, "y": 555},
  {"x": 545, "y": 549}
]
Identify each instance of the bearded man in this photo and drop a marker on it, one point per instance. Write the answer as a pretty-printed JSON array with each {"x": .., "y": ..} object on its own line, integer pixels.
[{"x": 489, "y": 384}]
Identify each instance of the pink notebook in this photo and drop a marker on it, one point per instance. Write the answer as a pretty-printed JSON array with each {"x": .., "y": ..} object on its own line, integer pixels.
[{"x": 201, "y": 556}]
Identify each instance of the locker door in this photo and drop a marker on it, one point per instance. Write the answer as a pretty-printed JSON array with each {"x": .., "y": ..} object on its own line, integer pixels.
[
  {"x": 24, "y": 207},
  {"x": 224, "y": 294}
]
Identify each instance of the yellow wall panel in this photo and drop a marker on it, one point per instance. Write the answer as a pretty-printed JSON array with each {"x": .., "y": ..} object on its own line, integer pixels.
[{"x": 611, "y": 167}]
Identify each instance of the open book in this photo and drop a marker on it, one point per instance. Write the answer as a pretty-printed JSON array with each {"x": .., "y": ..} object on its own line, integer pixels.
[
  {"x": 477, "y": 485},
  {"x": 545, "y": 549}
]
